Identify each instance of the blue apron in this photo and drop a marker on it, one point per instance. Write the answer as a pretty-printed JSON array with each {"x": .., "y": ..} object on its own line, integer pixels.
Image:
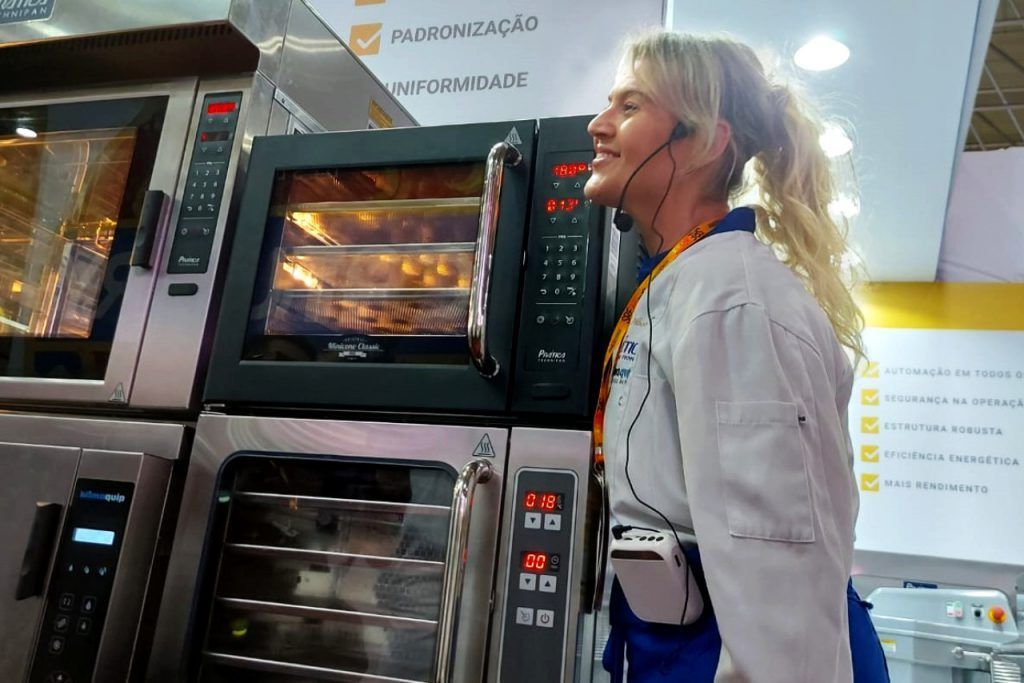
[{"x": 659, "y": 653}]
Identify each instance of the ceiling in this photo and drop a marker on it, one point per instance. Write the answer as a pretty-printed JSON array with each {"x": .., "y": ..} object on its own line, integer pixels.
[{"x": 998, "y": 119}]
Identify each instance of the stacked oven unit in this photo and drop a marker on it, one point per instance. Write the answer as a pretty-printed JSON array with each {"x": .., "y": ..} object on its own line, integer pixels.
[
  {"x": 392, "y": 481},
  {"x": 125, "y": 131}
]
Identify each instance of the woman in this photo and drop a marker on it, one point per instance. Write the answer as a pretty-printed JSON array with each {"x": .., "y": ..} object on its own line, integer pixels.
[{"x": 724, "y": 406}]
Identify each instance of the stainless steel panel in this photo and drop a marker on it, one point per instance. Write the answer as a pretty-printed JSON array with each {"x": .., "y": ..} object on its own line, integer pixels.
[
  {"x": 161, "y": 439},
  {"x": 173, "y": 352},
  {"x": 320, "y": 73},
  {"x": 77, "y": 18},
  {"x": 30, "y": 474},
  {"x": 279, "y": 117},
  {"x": 151, "y": 476},
  {"x": 124, "y": 353},
  {"x": 555, "y": 450},
  {"x": 872, "y": 569},
  {"x": 219, "y": 436},
  {"x": 299, "y": 120},
  {"x": 264, "y": 23},
  {"x": 40, "y": 461}
]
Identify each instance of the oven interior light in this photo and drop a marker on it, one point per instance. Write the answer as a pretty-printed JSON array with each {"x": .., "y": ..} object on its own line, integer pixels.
[
  {"x": 821, "y": 54},
  {"x": 26, "y": 132}
]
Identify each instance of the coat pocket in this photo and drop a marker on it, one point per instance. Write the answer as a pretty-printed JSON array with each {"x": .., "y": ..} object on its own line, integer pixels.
[{"x": 764, "y": 474}]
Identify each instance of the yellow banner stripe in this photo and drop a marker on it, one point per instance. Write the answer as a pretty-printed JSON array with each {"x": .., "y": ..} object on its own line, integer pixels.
[{"x": 943, "y": 305}]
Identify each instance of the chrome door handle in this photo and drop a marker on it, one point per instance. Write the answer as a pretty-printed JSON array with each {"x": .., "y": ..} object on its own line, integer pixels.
[
  {"x": 594, "y": 600},
  {"x": 501, "y": 155},
  {"x": 475, "y": 472}
]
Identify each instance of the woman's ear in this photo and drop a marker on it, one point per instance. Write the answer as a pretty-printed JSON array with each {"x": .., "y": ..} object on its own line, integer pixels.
[{"x": 723, "y": 134}]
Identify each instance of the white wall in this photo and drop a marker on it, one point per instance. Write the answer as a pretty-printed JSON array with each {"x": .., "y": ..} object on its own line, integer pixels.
[
  {"x": 903, "y": 90},
  {"x": 984, "y": 239},
  {"x": 560, "y": 63}
]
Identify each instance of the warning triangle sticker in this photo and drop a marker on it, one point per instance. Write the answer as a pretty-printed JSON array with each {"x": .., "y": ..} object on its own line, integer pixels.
[
  {"x": 484, "y": 448},
  {"x": 513, "y": 137},
  {"x": 118, "y": 395}
]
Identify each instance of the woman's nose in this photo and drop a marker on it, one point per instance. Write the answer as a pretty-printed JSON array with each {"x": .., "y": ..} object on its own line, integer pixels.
[{"x": 600, "y": 126}]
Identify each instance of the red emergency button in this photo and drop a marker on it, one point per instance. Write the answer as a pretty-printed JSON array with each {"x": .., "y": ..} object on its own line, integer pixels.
[{"x": 997, "y": 614}]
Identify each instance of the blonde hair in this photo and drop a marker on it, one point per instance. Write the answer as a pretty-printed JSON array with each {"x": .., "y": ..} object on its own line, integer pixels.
[{"x": 703, "y": 80}]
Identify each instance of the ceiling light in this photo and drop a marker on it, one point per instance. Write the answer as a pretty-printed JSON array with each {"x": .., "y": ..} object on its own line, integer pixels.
[
  {"x": 844, "y": 206},
  {"x": 26, "y": 132},
  {"x": 821, "y": 54},
  {"x": 834, "y": 141}
]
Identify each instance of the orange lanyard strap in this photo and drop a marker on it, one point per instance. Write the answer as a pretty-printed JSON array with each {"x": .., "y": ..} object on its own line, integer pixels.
[{"x": 611, "y": 355}]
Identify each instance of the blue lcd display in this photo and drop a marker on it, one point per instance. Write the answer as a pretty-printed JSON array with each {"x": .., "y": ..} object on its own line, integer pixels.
[{"x": 94, "y": 536}]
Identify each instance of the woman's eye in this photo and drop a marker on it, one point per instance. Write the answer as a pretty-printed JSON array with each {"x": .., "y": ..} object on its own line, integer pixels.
[{"x": 629, "y": 106}]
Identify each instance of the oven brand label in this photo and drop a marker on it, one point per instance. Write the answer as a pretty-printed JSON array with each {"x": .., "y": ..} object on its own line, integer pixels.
[
  {"x": 104, "y": 497},
  {"x": 356, "y": 347},
  {"x": 188, "y": 260},
  {"x": 551, "y": 356},
  {"x": 16, "y": 11}
]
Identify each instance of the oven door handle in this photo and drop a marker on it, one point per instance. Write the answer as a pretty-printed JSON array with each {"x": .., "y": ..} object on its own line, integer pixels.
[
  {"x": 38, "y": 550},
  {"x": 501, "y": 155},
  {"x": 149, "y": 225},
  {"x": 475, "y": 472}
]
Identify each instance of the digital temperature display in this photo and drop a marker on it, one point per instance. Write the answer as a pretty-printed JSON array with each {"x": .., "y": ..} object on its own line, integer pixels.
[
  {"x": 538, "y": 500},
  {"x": 221, "y": 107},
  {"x": 562, "y": 204},
  {"x": 570, "y": 170}
]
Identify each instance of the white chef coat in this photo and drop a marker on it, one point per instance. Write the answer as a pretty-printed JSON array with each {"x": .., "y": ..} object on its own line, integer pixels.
[{"x": 743, "y": 441}]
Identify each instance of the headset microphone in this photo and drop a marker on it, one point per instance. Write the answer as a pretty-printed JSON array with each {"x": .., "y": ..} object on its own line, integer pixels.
[{"x": 622, "y": 220}]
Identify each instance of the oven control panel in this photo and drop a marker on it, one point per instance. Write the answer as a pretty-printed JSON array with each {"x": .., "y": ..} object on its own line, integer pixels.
[
  {"x": 539, "y": 576},
  {"x": 557, "y": 281},
  {"x": 81, "y": 582},
  {"x": 204, "y": 186},
  {"x": 560, "y": 316}
]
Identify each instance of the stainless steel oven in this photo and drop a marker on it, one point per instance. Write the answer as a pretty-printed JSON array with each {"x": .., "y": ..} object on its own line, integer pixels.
[
  {"x": 124, "y": 135},
  {"x": 318, "y": 549},
  {"x": 443, "y": 269},
  {"x": 82, "y": 519}
]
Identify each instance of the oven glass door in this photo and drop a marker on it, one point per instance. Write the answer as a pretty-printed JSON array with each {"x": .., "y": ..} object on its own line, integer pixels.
[
  {"x": 328, "y": 569},
  {"x": 72, "y": 181},
  {"x": 368, "y": 265},
  {"x": 377, "y": 270}
]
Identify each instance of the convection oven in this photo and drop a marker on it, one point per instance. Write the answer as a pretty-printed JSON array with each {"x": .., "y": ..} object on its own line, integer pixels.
[
  {"x": 317, "y": 549},
  {"x": 451, "y": 268},
  {"x": 124, "y": 136},
  {"x": 392, "y": 477},
  {"x": 125, "y": 131}
]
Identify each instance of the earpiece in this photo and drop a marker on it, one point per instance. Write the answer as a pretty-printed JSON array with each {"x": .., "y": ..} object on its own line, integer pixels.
[
  {"x": 680, "y": 131},
  {"x": 622, "y": 220}
]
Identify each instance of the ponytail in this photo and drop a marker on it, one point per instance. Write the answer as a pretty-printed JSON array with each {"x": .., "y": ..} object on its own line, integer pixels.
[
  {"x": 703, "y": 80},
  {"x": 795, "y": 185}
]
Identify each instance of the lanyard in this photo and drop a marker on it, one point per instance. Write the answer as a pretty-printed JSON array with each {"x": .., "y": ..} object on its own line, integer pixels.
[{"x": 611, "y": 355}]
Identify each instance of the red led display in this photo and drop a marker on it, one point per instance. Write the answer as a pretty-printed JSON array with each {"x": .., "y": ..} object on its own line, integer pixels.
[
  {"x": 569, "y": 170},
  {"x": 548, "y": 502},
  {"x": 221, "y": 107},
  {"x": 562, "y": 204},
  {"x": 535, "y": 562}
]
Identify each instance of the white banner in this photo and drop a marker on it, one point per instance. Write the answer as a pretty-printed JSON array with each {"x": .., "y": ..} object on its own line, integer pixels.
[
  {"x": 937, "y": 420},
  {"x": 459, "y": 61}
]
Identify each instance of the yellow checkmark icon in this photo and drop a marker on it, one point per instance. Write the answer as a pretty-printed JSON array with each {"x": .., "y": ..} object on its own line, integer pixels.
[
  {"x": 870, "y": 370},
  {"x": 869, "y": 453},
  {"x": 869, "y": 397},
  {"x": 870, "y": 483},
  {"x": 869, "y": 425},
  {"x": 370, "y": 2},
  {"x": 364, "y": 39}
]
